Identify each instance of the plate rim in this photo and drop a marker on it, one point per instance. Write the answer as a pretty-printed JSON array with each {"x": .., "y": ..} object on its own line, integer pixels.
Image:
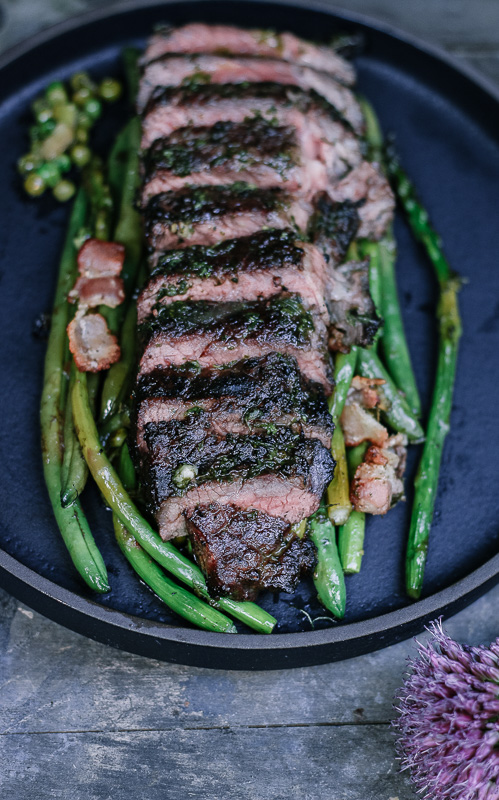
[{"x": 190, "y": 645}]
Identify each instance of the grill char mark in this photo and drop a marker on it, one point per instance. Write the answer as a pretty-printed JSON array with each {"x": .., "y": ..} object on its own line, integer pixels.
[
  {"x": 265, "y": 472},
  {"x": 244, "y": 551},
  {"x": 181, "y": 70},
  {"x": 249, "y": 396}
]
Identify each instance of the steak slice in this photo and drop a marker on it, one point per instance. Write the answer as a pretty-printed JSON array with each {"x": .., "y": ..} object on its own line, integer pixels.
[
  {"x": 251, "y": 396},
  {"x": 283, "y": 473},
  {"x": 247, "y": 268},
  {"x": 182, "y": 70},
  {"x": 367, "y": 186},
  {"x": 322, "y": 132},
  {"x": 219, "y": 333},
  {"x": 253, "y": 151},
  {"x": 208, "y": 214},
  {"x": 225, "y": 39},
  {"x": 353, "y": 317},
  {"x": 244, "y": 551}
]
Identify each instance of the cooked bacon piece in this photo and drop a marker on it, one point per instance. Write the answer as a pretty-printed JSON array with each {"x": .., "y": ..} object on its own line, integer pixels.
[
  {"x": 377, "y": 483},
  {"x": 98, "y": 259},
  {"x": 321, "y": 130},
  {"x": 92, "y": 292},
  {"x": 227, "y": 39},
  {"x": 243, "y": 551},
  {"x": 358, "y": 424},
  {"x": 93, "y": 347},
  {"x": 174, "y": 70},
  {"x": 367, "y": 186}
]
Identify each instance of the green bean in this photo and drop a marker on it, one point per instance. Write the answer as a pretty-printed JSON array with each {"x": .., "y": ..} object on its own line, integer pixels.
[
  {"x": 394, "y": 407},
  {"x": 338, "y": 491},
  {"x": 118, "y": 376},
  {"x": 394, "y": 342},
  {"x": 351, "y": 534},
  {"x": 328, "y": 576},
  {"x": 426, "y": 482},
  {"x": 371, "y": 251},
  {"x": 118, "y": 500},
  {"x": 71, "y": 521},
  {"x": 74, "y": 472},
  {"x": 179, "y": 600},
  {"x": 344, "y": 370}
]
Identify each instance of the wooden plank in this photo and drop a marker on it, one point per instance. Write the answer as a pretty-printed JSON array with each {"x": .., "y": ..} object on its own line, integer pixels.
[
  {"x": 346, "y": 763},
  {"x": 55, "y": 680}
]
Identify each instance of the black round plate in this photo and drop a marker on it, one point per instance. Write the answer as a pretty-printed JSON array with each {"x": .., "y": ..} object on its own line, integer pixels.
[{"x": 445, "y": 121}]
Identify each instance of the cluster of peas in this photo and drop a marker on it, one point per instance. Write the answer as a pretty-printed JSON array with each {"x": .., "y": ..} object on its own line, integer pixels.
[{"x": 59, "y": 138}]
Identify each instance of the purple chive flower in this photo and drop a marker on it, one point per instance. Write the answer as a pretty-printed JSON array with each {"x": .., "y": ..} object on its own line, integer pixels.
[{"x": 448, "y": 724}]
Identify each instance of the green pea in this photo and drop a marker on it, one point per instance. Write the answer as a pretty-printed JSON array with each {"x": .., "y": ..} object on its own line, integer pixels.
[
  {"x": 63, "y": 162},
  {"x": 81, "y": 135},
  {"x": 47, "y": 127},
  {"x": 34, "y": 185},
  {"x": 80, "y": 155},
  {"x": 110, "y": 90},
  {"x": 93, "y": 108},
  {"x": 56, "y": 93},
  {"x": 27, "y": 163},
  {"x": 43, "y": 114},
  {"x": 49, "y": 173},
  {"x": 82, "y": 96},
  {"x": 35, "y": 133},
  {"x": 81, "y": 80},
  {"x": 84, "y": 121},
  {"x": 64, "y": 191}
]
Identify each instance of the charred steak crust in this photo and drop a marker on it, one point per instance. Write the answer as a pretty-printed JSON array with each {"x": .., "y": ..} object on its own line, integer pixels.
[
  {"x": 281, "y": 319},
  {"x": 243, "y": 552},
  {"x": 260, "y": 392},
  {"x": 304, "y": 100},
  {"x": 235, "y": 146},
  {"x": 333, "y": 226},
  {"x": 213, "y": 458},
  {"x": 260, "y": 251}
]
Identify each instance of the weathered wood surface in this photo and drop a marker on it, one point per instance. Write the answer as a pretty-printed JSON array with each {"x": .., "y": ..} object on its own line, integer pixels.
[{"x": 79, "y": 720}]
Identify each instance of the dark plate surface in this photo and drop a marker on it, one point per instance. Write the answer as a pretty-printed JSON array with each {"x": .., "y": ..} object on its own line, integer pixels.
[{"x": 444, "y": 121}]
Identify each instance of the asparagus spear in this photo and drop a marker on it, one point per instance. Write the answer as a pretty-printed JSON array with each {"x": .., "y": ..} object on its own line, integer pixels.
[
  {"x": 426, "y": 481},
  {"x": 71, "y": 521}
]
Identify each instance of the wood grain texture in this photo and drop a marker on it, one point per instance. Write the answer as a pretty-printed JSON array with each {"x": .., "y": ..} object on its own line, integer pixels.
[
  {"x": 82, "y": 721},
  {"x": 266, "y": 764}
]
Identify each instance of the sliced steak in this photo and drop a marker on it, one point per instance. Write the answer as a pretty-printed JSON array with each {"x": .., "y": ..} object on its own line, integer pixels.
[
  {"x": 322, "y": 132},
  {"x": 353, "y": 317},
  {"x": 367, "y": 186},
  {"x": 175, "y": 70},
  {"x": 244, "y": 551},
  {"x": 227, "y": 39},
  {"x": 209, "y": 214},
  {"x": 283, "y": 474},
  {"x": 253, "y": 151},
  {"x": 251, "y": 396},
  {"x": 219, "y": 333},
  {"x": 247, "y": 268}
]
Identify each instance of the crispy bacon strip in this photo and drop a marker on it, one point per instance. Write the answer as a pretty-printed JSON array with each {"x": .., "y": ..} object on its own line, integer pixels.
[
  {"x": 97, "y": 259},
  {"x": 377, "y": 483},
  {"x": 99, "y": 264},
  {"x": 93, "y": 347},
  {"x": 358, "y": 424}
]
